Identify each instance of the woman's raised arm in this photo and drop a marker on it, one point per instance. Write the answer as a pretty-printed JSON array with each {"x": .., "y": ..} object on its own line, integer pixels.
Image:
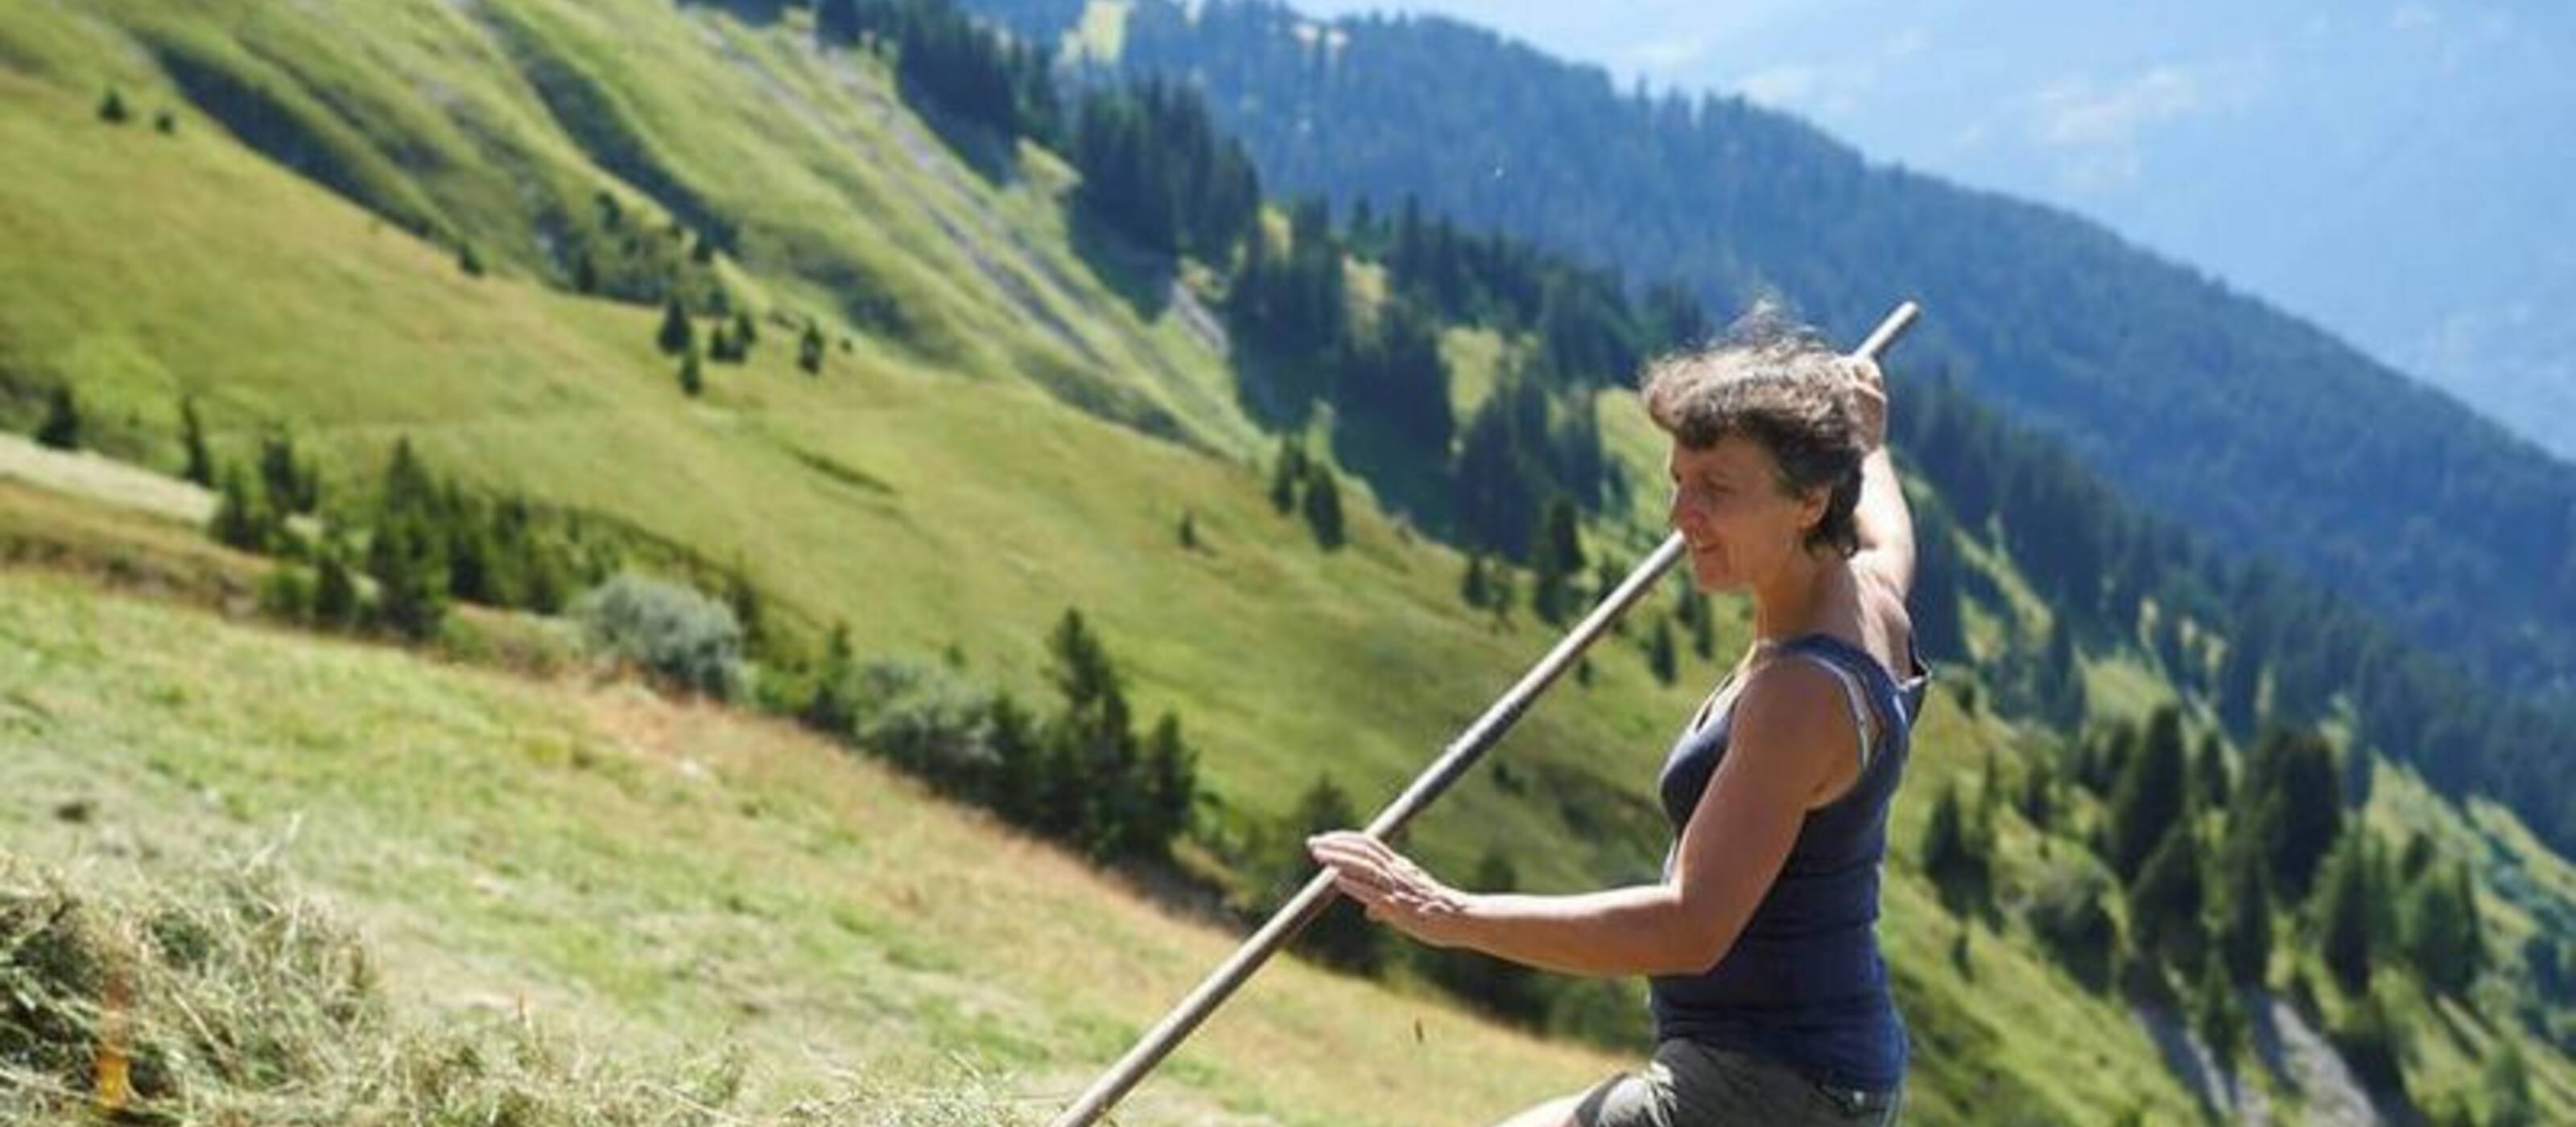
[{"x": 1886, "y": 526}]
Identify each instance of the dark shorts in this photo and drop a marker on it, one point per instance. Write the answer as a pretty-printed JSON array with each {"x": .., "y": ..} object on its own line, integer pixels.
[{"x": 1689, "y": 1084}]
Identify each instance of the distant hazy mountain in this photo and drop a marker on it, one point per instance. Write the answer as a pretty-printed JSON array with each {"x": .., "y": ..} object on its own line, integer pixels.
[{"x": 2396, "y": 171}]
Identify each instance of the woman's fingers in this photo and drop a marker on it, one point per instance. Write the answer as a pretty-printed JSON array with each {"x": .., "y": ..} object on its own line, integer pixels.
[
  {"x": 1867, "y": 372},
  {"x": 1354, "y": 864}
]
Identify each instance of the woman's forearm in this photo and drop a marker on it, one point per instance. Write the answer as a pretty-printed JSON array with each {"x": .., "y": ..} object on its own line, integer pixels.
[{"x": 1623, "y": 931}]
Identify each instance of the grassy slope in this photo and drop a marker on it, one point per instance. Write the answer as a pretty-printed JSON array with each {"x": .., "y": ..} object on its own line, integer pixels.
[
  {"x": 823, "y": 914},
  {"x": 993, "y": 506}
]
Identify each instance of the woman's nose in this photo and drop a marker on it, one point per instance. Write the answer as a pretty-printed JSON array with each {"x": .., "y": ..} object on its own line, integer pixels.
[{"x": 1679, "y": 511}]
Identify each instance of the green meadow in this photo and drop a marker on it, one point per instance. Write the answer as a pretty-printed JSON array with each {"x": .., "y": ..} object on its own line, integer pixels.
[{"x": 659, "y": 878}]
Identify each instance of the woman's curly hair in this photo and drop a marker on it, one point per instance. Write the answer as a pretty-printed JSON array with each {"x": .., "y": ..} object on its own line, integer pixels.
[{"x": 1776, "y": 383}]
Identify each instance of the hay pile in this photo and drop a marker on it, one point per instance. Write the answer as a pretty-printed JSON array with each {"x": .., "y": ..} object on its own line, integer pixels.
[{"x": 224, "y": 998}]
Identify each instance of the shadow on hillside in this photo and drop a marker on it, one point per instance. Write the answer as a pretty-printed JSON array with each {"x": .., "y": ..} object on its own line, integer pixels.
[
  {"x": 1141, "y": 278},
  {"x": 1288, "y": 395},
  {"x": 993, "y": 157}
]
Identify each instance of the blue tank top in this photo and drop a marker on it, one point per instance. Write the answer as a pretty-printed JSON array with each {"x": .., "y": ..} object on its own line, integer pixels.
[{"x": 1804, "y": 984}]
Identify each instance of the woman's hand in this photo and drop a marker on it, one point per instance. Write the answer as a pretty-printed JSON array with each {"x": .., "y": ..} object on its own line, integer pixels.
[
  {"x": 1393, "y": 889},
  {"x": 1869, "y": 392}
]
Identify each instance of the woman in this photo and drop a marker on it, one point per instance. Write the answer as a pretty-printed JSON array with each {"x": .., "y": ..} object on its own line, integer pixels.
[{"x": 1770, "y": 1001}]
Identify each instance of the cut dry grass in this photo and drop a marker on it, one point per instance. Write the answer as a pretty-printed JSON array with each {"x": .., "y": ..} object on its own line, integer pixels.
[{"x": 226, "y": 996}]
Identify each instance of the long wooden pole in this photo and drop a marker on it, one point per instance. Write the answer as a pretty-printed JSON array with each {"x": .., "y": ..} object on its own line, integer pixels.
[{"x": 1453, "y": 763}]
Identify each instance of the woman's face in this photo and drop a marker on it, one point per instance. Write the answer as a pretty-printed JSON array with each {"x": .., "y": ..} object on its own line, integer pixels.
[{"x": 1727, "y": 503}]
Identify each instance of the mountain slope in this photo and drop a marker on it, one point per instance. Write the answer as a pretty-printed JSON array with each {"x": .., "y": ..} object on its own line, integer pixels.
[
  {"x": 2251, "y": 427},
  {"x": 922, "y": 487}
]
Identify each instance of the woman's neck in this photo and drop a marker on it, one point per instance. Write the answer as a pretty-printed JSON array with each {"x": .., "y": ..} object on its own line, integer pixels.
[{"x": 1793, "y": 599}]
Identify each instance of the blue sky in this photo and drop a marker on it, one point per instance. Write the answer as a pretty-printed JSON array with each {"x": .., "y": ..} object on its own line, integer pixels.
[{"x": 2398, "y": 170}]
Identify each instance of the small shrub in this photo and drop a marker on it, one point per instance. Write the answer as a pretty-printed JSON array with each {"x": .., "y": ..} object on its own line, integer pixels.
[
  {"x": 693, "y": 378},
  {"x": 931, "y": 722},
  {"x": 61, "y": 429},
  {"x": 2067, "y": 913},
  {"x": 677, "y": 635},
  {"x": 809, "y": 351},
  {"x": 200, "y": 467},
  {"x": 676, "y": 335},
  {"x": 287, "y": 592},
  {"x": 2372, "y": 1045}
]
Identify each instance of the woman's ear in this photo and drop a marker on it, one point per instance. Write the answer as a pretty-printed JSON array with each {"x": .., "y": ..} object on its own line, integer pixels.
[{"x": 1811, "y": 507}]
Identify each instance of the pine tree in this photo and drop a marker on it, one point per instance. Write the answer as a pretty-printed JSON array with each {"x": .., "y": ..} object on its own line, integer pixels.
[
  {"x": 2296, "y": 795},
  {"x": 2441, "y": 929},
  {"x": 239, "y": 521},
  {"x": 2245, "y": 931},
  {"x": 1092, "y": 743},
  {"x": 1659, "y": 652},
  {"x": 831, "y": 707},
  {"x": 1555, "y": 558},
  {"x": 1472, "y": 587},
  {"x": 2343, "y": 914},
  {"x": 1323, "y": 505},
  {"x": 1189, "y": 531},
  {"x": 585, "y": 274},
  {"x": 192, "y": 437},
  {"x": 165, "y": 123},
  {"x": 744, "y": 335},
  {"x": 468, "y": 261},
  {"x": 748, "y": 610},
  {"x": 1170, "y": 787},
  {"x": 1990, "y": 795},
  {"x": 1018, "y": 791},
  {"x": 2067, "y": 702},
  {"x": 111, "y": 109},
  {"x": 2219, "y": 1016},
  {"x": 2165, "y": 901},
  {"x": 677, "y": 335},
  {"x": 2507, "y": 1080},
  {"x": 1505, "y": 989},
  {"x": 1287, "y": 470},
  {"x": 61, "y": 429},
  {"x": 2209, "y": 773},
  {"x": 809, "y": 350},
  {"x": 693, "y": 379},
  {"x": 335, "y": 592},
  {"x": 291, "y": 485},
  {"x": 1342, "y": 936},
  {"x": 2240, "y": 681},
  {"x": 1952, "y": 855},
  {"x": 406, "y": 553},
  {"x": 2150, "y": 796},
  {"x": 2038, "y": 798}
]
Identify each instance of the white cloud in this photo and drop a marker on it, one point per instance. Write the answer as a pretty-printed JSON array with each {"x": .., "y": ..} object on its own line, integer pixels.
[
  {"x": 2410, "y": 16},
  {"x": 2096, "y": 129},
  {"x": 1668, "y": 54},
  {"x": 1787, "y": 86},
  {"x": 2082, "y": 113},
  {"x": 1823, "y": 92}
]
